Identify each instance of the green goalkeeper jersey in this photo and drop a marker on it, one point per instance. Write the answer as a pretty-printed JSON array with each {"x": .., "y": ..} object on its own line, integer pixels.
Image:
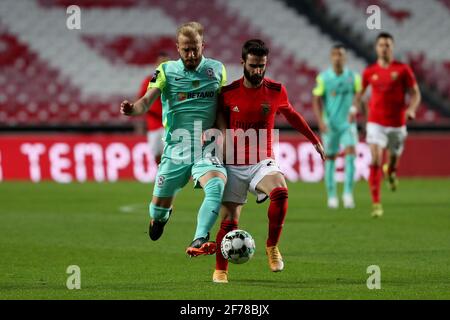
[
  {"x": 189, "y": 104},
  {"x": 337, "y": 92}
]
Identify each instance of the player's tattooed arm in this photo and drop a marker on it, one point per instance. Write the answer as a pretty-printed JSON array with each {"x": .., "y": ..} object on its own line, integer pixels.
[
  {"x": 142, "y": 105},
  {"x": 415, "y": 98},
  {"x": 317, "y": 109}
]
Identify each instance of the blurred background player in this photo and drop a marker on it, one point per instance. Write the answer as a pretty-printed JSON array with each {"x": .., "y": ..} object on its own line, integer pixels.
[
  {"x": 335, "y": 113},
  {"x": 155, "y": 129},
  {"x": 390, "y": 82},
  {"x": 190, "y": 87},
  {"x": 251, "y": 103}
]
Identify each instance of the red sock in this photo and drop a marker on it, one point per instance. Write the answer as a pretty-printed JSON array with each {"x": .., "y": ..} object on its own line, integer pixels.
[
  {"x": 225, "y": 227},
  {"x": 276, "y": 213},
  {"x": 375, "y": 182}
]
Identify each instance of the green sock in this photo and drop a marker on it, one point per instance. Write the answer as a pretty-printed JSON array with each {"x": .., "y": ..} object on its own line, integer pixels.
[
  {"x": 349, "y": 181},
  {"x": 330, "y": 181},
  {"x": 209, "y": 210}
]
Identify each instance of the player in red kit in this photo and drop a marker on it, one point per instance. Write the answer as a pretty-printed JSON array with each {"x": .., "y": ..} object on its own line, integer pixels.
[
  {"x": 249, "y": 105},
  {"x": 390, "y": 81},
  {"x": 155, "y": 130}
]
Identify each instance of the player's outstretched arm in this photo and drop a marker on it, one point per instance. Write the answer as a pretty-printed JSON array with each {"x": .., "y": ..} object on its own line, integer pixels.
[
  {"x": 317, "y": 109},
  {"x": 298, "y": 122},
  {"x": 142, "y": 105},
  {"x": 414, "y": 103}
]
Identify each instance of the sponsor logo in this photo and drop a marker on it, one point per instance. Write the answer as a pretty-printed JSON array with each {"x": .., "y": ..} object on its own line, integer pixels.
[
  {"x": 177, "y": 79},
  {"x": 204, "y": 94},
  {"x": 374, "y": 77},
  {"x": 195, "y": 95},
  {"x": 235, "y": 109}
]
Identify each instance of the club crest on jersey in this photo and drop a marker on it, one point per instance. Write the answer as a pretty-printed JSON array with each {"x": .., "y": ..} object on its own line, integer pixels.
[
  {"x": 265, "y": 108},
  {"x": 394, "y": 75},
  {"x": 374, "y": 77},
  {"x": 182, "y": 96},
  {"x": 235, "y": 109},
  {"x": 210, "y": 73},
  {"x": 161, "y": 180},
  {"x": 196, "y": 83}
]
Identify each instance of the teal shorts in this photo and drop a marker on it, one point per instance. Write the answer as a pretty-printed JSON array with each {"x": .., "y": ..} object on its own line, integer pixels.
[
  {"x": 172, "y": 177},
  {"x": 334, "y": 139}
]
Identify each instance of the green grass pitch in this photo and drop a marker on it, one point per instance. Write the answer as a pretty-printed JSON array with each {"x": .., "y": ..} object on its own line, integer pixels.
[{"x": 102, "y": 228}]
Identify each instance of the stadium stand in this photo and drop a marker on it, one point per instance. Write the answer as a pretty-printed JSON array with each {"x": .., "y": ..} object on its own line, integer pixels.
[
  {"x": 420, "y": 28},
  {"x": 52, "y": 76}
]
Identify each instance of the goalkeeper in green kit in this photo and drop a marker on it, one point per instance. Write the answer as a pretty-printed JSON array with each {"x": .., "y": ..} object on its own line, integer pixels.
[
  {"x": 189, "y": 90},
  {"x": 333, "y": 97}
]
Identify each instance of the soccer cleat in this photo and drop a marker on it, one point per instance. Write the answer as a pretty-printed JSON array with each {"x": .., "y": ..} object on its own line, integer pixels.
[
  {"x": 220, "y": 276},
  {"x": 156, "y": 228},
  {"x": 377, "y": 210},
  {"x": 349, "y": 202},
  {"x": 276, "y": 263},
  {"x": 201, "y": 246},
  {"x": 392, "y": 180},
  {"x": 333, "y": 203}
]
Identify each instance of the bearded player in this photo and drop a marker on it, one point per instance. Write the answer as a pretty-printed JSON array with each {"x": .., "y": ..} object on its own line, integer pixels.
[
  {"x": 335, "y": 113},
  {"x": 390, "y": 81},
  {"x": 155, "y": 129},
  {"x": 188, "y": 88},
  {"x": 250, "y": 104}
]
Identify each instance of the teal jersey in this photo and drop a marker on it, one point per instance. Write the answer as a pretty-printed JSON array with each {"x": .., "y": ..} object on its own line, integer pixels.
[
  {"x": 189, "y": 104},
  {"x": 337, "y": 92}
]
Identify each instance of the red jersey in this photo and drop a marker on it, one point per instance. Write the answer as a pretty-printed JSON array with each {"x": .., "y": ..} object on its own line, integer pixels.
[
  {"x": 154, "y": 114},
  {"x": 255, "y": 108},
  {"x": 387, "y": 105}
]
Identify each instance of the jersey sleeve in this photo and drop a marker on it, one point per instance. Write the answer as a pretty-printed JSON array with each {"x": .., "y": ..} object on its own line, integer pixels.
[
  {"x": 296, "y": 120},
  {"x": 357, "y": 83},
  {"x": 159, "y": 79},
  {"x": 410, "y": 79},
  {"x": 319, "y": 89},
  {"x": 365, "y": 79},
  {"x": 223, "y": 80}
]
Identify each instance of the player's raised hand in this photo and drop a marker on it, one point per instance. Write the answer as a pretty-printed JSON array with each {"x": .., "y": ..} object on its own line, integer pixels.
[
  {"x": 319, "y": 149},
  {"x": 126, "y": 108},
  {"x": 410, "y": 114}
]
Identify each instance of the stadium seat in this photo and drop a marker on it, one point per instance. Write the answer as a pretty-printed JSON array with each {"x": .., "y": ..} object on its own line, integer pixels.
[{"x": 52, "y": 75}]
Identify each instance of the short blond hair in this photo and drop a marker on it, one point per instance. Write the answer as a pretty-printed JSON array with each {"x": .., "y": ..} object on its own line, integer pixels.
[{"x": 190, "y": 30}]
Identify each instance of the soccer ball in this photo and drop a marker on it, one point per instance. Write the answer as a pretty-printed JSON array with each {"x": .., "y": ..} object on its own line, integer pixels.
[{"x": 238, "y": 246}]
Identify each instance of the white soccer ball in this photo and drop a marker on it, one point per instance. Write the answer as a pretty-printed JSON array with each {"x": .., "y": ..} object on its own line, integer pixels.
[{"x": 238, "y": 246}]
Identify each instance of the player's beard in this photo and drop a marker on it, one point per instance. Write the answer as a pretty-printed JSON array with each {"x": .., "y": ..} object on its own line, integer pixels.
[
  {"x": 191, "y": 64},
  {"x": 255, "y": 79}
]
